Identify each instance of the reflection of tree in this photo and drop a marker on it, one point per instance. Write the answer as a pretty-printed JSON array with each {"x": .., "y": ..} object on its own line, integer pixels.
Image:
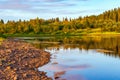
[{"x": 111, "y": 43}]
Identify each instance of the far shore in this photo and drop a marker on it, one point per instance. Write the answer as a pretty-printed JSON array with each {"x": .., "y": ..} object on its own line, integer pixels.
[{"x": 61, "y": 35}]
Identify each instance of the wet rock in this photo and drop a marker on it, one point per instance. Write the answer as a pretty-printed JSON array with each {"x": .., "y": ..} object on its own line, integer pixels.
[
  {"x": 57, "y": 75},
  {"x": 55, "y": 63}
]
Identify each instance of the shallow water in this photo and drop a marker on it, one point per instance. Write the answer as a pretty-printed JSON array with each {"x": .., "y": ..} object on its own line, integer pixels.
[
  {"x": 81, "y": 58},
  {"x": 82, "y": 65}
]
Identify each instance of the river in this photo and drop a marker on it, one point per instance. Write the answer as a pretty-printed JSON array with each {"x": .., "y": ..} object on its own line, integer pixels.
[{"x": 80, "y": 57}]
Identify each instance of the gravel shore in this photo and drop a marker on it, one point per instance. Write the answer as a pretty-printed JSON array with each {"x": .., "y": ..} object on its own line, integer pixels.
[{"x": 20, "y": 61}]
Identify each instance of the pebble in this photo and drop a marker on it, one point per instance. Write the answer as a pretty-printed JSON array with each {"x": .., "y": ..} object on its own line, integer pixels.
[{"x": 23, "y": 58}]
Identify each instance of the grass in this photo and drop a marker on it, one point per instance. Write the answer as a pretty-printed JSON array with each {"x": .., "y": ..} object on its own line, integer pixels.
[
  {"x": 79, "y": 32},
  {"x": 1, "y": 39}
]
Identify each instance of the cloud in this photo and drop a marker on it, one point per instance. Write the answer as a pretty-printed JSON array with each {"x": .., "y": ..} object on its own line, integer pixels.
[
  {"x": 16, "y": 13},
  {"x": 53, "y": 0},
  {"x": 14, "y": 6},
  {"x": 28, "y": 5},
  {"x": 68, "y": 12},
  {"x": 52, "y": 8},
  {"x": 57, "y": 5},
  {"x": 46, "y": 1},
  {"x": 81, "y": 0}
]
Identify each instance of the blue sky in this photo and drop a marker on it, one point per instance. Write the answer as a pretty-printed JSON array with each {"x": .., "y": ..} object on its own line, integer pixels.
[{"x": 27, "y": 9}]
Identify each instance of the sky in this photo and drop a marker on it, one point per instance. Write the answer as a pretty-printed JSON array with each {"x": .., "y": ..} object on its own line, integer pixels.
[{"x": 46, "y": 9}]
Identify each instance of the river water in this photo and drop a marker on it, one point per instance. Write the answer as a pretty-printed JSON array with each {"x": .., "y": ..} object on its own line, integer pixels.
[{"x": 80, "y": 58}]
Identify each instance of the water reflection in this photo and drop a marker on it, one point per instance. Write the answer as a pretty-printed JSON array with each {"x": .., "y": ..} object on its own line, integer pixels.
[
  {"x": 59, "y": 67},
  {"x": 81, "y": 58},
  {"x": 82, "y": 65},
  {"x": 103, "y": 43},
  {"x": 62, "y": 62}
]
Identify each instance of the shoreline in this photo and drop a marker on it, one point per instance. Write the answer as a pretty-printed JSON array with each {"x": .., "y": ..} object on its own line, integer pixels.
[
  {"x": 20, "y": 61},
  {"x": 63, "y": 35}
]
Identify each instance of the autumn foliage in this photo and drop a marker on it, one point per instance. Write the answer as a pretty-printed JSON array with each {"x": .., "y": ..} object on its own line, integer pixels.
[{"x": 107, "y": 21}]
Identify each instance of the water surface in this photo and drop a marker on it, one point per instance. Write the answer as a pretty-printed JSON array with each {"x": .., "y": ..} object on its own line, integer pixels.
[{"x": 81, "y": 58}]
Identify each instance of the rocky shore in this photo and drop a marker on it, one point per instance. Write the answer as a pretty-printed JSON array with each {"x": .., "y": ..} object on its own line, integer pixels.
[{"x": 20, "y": 61}]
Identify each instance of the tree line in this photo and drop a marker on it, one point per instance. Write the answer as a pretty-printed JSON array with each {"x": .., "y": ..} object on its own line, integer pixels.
[{"x": 107, "y": 21}]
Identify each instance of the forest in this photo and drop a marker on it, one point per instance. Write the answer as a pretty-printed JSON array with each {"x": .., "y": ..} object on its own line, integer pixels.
[{"x": 108, "y": 21}]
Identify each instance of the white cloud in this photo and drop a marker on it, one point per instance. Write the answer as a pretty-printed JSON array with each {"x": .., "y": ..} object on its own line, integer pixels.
[{"x": 17, "y": 13}]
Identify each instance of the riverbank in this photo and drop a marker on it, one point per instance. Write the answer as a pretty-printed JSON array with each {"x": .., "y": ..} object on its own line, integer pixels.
[
  {"x": 20, "y": 61},
  {"x": 63, "y": 34}
]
